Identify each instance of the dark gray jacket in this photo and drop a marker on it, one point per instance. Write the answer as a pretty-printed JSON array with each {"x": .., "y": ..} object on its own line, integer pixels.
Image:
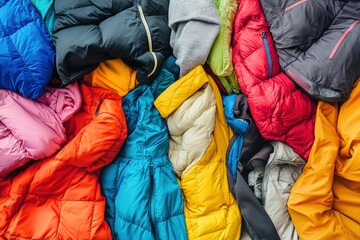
[
  {"x": 318, "y": 43},
  {"x": 88, "y": 32}
]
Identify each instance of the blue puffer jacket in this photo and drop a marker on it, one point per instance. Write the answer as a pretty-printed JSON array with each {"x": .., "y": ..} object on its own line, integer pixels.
[
  {"x": 143, "y": 198},
  {"x": 26, "y": 54}
]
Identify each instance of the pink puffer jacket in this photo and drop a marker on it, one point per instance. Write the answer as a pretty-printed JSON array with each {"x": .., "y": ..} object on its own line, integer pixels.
[{"x": 33, "y": 129}]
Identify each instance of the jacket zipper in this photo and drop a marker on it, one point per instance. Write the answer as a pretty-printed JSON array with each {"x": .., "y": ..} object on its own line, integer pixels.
[
  {"x": 151, "y": 189},
  {"x": 342, "y": 39},
  {"x": 98, "y": 106},
  {"x": 147, "y": 29},
  {"x": 294, "y": 5},
  {"x": 267, "y": 50},
  {"x": 293, "y": 76}
]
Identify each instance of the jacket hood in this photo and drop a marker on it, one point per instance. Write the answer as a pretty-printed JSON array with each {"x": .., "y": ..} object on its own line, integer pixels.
[
  {"x": 190, "y": 21},
  {"x": 114, "y": 75},
  {"x": 89, "y": 133},
  {"x": 65, "y": 102}
]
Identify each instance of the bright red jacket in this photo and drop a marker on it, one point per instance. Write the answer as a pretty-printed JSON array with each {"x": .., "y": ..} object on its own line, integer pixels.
[
  {"x": 279, "y": 108},
  {"x": 60, "y": 197}
]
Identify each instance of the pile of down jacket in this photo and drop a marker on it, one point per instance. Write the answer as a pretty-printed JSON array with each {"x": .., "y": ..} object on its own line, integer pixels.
[{"x": 179, "y": 119}]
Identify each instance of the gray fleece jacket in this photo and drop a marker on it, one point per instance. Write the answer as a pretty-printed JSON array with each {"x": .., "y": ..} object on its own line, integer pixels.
[{"x": 194, "y": 27}]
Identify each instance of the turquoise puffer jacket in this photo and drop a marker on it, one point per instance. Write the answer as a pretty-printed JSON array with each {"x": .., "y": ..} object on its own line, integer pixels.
[{"x": 143, "y": 198}]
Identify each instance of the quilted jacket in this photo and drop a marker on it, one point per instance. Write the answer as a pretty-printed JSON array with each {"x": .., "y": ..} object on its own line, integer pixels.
[
  {"x": 324, "y": 202},
  {"x": 143, "y": 198},
  {"x": 318, "y": 44},
  {"x": 87, "y": 33},
  {"x": 60, "y": 197},
  {"x": 200, "y": 136},
  {"x": 279, "y": 108},
  {"x": 33, "y": 129},
  {"x": 26, "y": 53}
]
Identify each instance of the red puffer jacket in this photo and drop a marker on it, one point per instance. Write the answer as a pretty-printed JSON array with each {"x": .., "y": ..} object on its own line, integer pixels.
[
  {"x": 60, "y": 197},
  {"x": 280, "y": 110}
]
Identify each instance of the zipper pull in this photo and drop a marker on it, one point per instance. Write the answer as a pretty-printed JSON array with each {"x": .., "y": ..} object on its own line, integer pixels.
[
  {"x": 263, "y": 35},
  {"x": 151, "y": 168},
  {"x": 98, "y": 106}
]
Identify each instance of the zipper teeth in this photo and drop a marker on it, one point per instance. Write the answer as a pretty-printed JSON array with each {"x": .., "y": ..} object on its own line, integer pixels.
[
  {"x": 147, "y": 29},
  {"x": 98, "y": 106},
  {"x": 294, "y": 5},
  {"x": 267, "y": 50},
  {"x": 342, "y": 38},
  {"x": 151, "y": 195}
]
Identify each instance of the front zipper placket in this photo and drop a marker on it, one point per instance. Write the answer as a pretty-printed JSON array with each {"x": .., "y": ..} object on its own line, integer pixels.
[
  {"x": 148, "y": 33},
  {"x": 267, "y": 51},
  {"x": 151, "y": 189},
  {"x": 98, "y": 106}
]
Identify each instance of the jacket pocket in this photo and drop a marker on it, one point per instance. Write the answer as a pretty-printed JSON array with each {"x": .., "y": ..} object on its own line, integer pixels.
[
  {"x": 123, "y": 168},
  {"x": 341, "y": 39},
  {"x": 267, "y": 51},
  {"x": 294, "y": 5}
]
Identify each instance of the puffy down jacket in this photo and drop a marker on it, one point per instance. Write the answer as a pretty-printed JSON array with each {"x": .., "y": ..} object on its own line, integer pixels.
[
  {"x": 143, "y": 198},
  {"x": 199, "y": 140},
  {"x": 318, "y": 44},
  {"x": 26, "y": 54},
  {"x": 87, "y": 33},
  {"x": 33, "y": 129},
  {"x": 324, "y": 202},
  {"x": 279, "y": 108},
  {"x": 60, "y": 197}
]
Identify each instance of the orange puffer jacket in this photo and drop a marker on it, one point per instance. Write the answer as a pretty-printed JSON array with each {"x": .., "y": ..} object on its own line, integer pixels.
[{"x": 60, "y": 197}]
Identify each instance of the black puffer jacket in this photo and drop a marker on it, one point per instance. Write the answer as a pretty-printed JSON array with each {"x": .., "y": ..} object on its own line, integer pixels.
[
  {"x": 318, "y": 42},
  {"x": 88, "y": 32}
]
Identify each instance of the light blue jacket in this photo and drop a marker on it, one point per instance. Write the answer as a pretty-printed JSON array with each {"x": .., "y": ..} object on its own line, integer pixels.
[{"x": 143, "y": 198}]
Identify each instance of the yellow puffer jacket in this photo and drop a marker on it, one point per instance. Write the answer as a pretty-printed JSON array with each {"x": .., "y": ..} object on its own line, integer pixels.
[
  {"x": 324, "y": 202},
  {"x": 113, "y": 75},
  {"x": 199, "y": 139}
]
